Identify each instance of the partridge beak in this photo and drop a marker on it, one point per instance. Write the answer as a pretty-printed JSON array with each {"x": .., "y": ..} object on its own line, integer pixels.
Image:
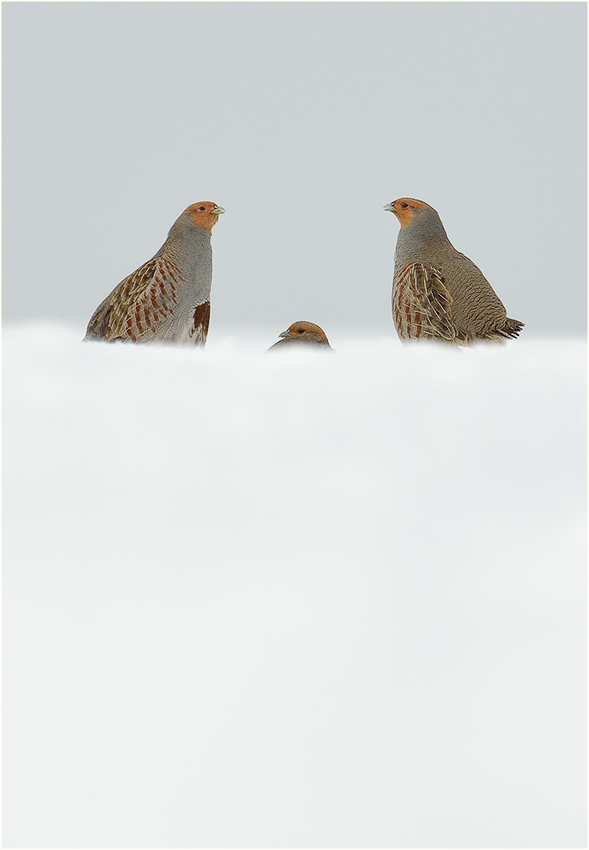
[
  {"x": 283, "y": 335},
  {"x": 389, "y": 207},
  {"x": 217, "y": 210}
]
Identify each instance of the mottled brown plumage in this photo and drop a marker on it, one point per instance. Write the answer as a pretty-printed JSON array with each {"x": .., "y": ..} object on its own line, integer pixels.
[
  {"x": 304, "y": 335},
  {"x": 438, "y": 293},
  {"x": 167, "y": 299}
]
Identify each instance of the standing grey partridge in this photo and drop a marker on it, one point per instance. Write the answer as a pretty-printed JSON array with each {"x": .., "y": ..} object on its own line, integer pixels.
[
  {"x": 302, "y": 335},
  {"x": 168, "y": 298},
  {"x": 438, "y": 293}
]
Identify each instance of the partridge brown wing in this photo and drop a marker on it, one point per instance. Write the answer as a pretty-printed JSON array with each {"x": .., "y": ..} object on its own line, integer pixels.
[
  {"x": 141, "y": 306},
  {"x": 422, "y": 305}
]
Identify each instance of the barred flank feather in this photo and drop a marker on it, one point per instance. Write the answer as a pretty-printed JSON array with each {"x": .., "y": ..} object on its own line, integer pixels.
[
  {"x": 200, "y": 323},
  {"x": 422, "y": 305}
]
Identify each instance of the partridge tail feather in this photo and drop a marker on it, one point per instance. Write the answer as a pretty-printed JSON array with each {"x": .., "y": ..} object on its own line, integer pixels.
[
  {"x": 510, "y": 329},
  {"x": 513, "y": 327},
  {"x": 98, "y": 324}
]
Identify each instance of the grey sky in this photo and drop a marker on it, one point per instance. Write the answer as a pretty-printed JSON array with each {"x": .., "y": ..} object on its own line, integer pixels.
[{"x": 302, "y": 120}]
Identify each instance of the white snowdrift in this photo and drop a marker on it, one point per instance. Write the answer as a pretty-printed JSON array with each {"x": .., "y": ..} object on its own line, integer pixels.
[{"x": 294, "y": 600}]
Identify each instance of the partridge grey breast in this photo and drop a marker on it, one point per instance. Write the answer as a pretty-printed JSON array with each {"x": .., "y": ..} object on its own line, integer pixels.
[{"x": 167, "y": 299}]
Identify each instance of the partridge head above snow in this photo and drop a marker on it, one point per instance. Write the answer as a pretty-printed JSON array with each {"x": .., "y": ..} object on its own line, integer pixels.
[
  {"x": 167, "y": 299},
  {"x": 302, "y": 334},
  {"x": 438, "y": 293}
]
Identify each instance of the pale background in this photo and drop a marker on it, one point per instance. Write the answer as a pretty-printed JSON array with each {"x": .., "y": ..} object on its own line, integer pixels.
[
  {"x": 307, "y": 602},
  {"x": 302, "y": 120}
]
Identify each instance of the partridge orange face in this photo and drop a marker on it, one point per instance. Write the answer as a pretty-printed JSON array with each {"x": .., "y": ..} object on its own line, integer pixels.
[
  {"x": 204, "y": 214},
  {"x": 302, "y": 329},
  {"x": 405, "y": 209}
]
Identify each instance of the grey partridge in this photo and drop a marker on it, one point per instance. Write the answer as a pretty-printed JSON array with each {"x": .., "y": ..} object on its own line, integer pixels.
[
  {"x": 438, "y": 293},
  {"x": 167, "y": 299}
]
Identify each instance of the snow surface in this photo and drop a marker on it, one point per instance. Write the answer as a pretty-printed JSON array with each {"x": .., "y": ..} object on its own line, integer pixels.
[{"x": 293, "y": 601}]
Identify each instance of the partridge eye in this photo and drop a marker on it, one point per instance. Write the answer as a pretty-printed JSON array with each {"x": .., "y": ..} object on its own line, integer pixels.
[
  {"x": 404, "y": 206},
  {"x": 202, "y": 209},
  {"x": 300, "y": 331}
]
